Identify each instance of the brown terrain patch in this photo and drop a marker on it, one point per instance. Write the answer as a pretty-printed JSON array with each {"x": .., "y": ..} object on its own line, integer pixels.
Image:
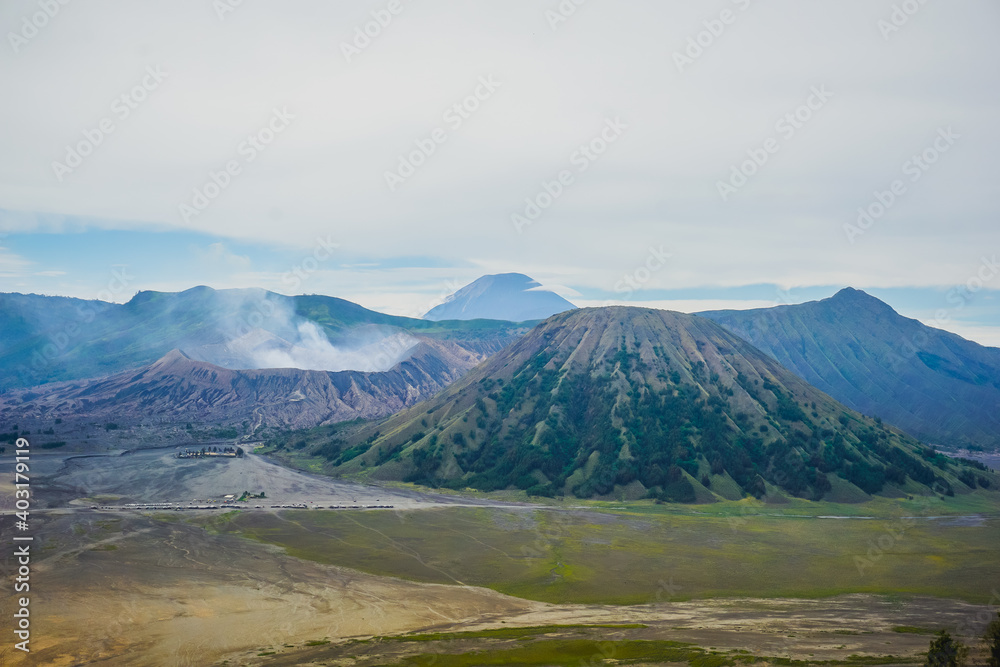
[
  {"x": 173, "y": 594},
  {"x": 115, "y": 589}
]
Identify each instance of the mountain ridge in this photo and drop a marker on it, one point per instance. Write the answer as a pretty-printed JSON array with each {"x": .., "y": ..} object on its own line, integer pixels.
[
  {"x": 51, "y": 339},
  {"x": 177, "y": 388},
  {"x": 932, "y": 383},
  {"x": 624, "y": 401}
]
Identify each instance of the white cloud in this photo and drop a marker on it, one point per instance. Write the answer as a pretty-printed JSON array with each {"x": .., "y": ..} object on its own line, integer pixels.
[
  {"x": 218, "y": 256},
  {"x": 13, "y": 265},
  {"x": 657, "y": 185}
]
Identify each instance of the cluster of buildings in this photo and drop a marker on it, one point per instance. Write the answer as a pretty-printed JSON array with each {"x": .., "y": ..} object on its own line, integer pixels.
[{"x": 209, "y": 451}]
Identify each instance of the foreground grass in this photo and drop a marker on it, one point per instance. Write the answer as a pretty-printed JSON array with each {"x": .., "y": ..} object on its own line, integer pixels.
[
  {"x": 648, "y": 553},
  {"x": 590, "y": 652},
  {"x": 573, "y": 645}
]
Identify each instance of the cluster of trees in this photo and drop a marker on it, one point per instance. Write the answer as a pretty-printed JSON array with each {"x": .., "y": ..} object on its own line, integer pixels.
[
  {"x": 945, "y": 651},
  {"x": 13, "y": 435}
]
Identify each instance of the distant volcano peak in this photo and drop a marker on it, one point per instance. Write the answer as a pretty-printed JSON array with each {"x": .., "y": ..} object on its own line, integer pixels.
[{"x": 505, "y": 296}]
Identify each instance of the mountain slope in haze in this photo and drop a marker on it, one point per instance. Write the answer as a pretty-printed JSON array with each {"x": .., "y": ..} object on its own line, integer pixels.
[
  {"x": 632, "y": 402},
  {"x": 931, "y": 383},
  {"x": 177, "y": 388},
  {"x": 507, "y": 296},
  {"x": 50, "y": 339}
]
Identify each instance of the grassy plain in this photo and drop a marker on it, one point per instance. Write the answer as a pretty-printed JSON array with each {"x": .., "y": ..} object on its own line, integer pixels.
[
  {"x": 638, "y": 553},
  {"x": 795, "y": 641},
  {"x": 572, "y": 652}
]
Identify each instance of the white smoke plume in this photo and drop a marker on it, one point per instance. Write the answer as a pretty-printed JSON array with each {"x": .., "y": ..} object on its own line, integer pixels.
[
  {"x": 257, "y": 330},
  {"x": 314, "y": 351}
]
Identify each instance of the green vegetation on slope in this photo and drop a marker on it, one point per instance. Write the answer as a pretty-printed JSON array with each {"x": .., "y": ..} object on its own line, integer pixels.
[{"x": 636, "y": 402}]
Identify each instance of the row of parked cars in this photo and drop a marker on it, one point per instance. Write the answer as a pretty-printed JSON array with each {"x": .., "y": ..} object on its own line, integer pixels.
[{"x": 177, "y": 508}]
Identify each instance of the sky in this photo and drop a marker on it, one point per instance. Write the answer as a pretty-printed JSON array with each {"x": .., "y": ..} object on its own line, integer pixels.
[{"x": 720, "y": 154}]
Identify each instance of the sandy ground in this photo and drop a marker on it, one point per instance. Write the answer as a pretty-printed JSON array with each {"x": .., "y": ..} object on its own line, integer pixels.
[
  {"x": 164, "y": 593},
  {"x": 989, "y": 459},
  {"x": 115, "y": 589},
  {"x": 157, "y": 476},
  {"x": 123, "y": 588},
  {"x": 170, "y": 594}
]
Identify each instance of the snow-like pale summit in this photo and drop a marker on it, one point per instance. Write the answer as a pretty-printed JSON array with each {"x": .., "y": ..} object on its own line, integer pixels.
[{"x": 506, "y": 296}]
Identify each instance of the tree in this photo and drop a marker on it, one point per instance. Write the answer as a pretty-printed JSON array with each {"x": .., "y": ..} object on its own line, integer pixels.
[
  {"x": 946, "y": 652},
  {"x": 992, "y": 639}
]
